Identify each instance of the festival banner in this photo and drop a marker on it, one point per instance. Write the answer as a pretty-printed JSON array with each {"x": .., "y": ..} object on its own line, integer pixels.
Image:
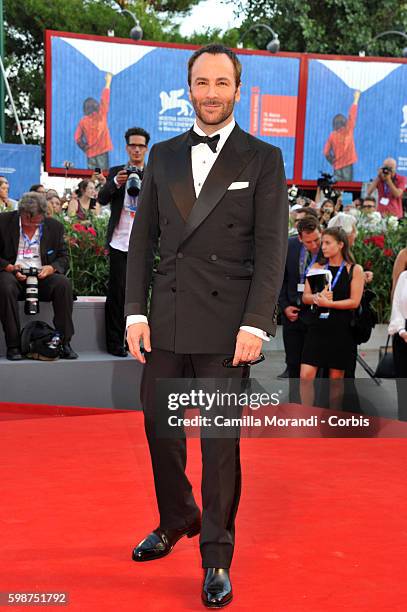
[
  {"x": 88, "y": 112},
  {"x": 356, "y": 117}
]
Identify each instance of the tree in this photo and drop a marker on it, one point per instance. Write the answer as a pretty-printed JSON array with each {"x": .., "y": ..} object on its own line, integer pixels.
[
  {"x": 25, "y": 23},
  {"x": 342, "y": 27}
]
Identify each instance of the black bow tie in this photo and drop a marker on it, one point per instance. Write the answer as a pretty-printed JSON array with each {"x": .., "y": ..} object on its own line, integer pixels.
[{"x": 196, "y": 139}]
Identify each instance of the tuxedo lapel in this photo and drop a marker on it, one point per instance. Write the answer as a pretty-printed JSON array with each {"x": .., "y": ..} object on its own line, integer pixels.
[
  {"x": 180, "y": 181},
  {"x": 235, "y": 155}
]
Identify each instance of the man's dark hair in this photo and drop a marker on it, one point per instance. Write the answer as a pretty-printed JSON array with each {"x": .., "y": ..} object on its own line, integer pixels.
[
  {"x": 36, "y": 187},
  {"x": 369, "y": 199},
  {"x": 136, "y": 131},
  {"x": 90, "y": 105},
  {"x": 339, "y": 121},
  {"x": 216, "y": 49},
  {"x": 308, "y": 224},
  {"x": 308, "y": 211}
]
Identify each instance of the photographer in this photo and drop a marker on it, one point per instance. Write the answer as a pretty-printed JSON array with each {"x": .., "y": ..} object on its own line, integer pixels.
[
  {"x": 120, "y": 182},
  {"x": 29, "y": 239},
  {"x": 390, "y": 187}
]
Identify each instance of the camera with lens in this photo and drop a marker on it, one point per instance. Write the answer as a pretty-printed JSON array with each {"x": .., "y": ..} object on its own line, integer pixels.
[
  {"x": 292, "y": 194},
  {"x": 386, "y": 170},
  {"x": 325, "y": 183},
  {"x": 133, "y": 184},
  {"x": 31, "y": 303}
]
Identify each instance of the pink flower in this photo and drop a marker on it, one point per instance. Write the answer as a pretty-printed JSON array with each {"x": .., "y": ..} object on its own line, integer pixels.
[{"x": 92, "y": 231}]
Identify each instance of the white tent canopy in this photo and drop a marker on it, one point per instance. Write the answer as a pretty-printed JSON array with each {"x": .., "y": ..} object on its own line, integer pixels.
[
  {"x": 360, "y": 75},
  {"x": 109, "y": 57}
]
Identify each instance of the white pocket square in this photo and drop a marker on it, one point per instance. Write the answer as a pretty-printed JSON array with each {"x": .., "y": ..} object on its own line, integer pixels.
[{"x": 241, "y": 185}]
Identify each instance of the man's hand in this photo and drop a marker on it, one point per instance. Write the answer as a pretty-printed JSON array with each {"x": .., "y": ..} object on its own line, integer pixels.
[
  {"x": 248, "y": 347},
  {"x": 291, "y": 312},
  {"x": 403, "y": 335},
  {"x": 121, "y": 177},
  {"x": 136, "y": 333},
  {"x": 15, "y": 269},
  {"x": 45, "y": 271}
]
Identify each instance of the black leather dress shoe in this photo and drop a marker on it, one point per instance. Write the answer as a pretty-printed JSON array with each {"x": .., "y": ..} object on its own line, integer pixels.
[
  {"x": 14, "y": 354},
  {"x": 67, "y": 352},
  {"x": 160, "y": 542},
  {"x": 217, "y": 589},
  {"x": 117, "y": 351}
]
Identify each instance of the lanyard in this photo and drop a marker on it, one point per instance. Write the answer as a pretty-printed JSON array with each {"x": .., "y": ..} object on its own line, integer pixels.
[
  {"x": 304, "y": 271},
  {"x": 28, "y": 242},
  {"x": 337, "y": 275}
]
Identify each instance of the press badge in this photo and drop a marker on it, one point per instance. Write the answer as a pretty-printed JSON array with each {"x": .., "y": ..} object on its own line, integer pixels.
[
  {"x": 300, "y": 287},
  {"x": 384, "y": 201}
]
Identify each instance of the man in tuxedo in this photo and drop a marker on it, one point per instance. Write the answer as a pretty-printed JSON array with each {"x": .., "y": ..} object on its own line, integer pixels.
[
  {"x": 123, "y": 208},
  {"x": 30, "y": 239},
  {"x": 214, "y": 204},
  {"x": 303, "y": 251}
]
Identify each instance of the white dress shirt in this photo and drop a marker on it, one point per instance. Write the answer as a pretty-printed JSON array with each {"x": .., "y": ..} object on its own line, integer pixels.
[
  {"x": 399, "y": 306},
  {"x": 121, "y": 233},
  {"x": 202, "y": 159}
]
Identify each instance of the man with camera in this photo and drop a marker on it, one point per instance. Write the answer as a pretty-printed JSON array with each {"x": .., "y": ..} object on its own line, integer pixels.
[
  {"x": 121, "y": 191},
  {"x": 390, "y": 187},
  {"x": 33, "y": 263}
]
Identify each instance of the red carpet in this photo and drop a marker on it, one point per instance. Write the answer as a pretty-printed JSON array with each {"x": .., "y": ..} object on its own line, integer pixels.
[{"x": 321, "y": 525}]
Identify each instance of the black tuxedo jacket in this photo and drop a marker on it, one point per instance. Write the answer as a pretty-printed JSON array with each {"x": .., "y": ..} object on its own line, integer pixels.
[
  {"x": 289, "y": 293},
  {"x": 222, "y": 254},
  {"x": 110, "y": 194},
  {"x": 52, "y": 245}
]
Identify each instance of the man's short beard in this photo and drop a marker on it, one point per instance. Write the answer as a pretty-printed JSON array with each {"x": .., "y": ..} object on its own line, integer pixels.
[{"x": 228, "y": 112}]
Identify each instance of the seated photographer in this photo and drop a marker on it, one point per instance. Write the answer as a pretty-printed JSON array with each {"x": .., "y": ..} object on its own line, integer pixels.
[
  {"x": 390, "y": 187},
  {"x": 29, "y": 239}
]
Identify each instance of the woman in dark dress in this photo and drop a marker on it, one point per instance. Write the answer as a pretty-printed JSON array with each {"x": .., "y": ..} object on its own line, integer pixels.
[{"x": 329, "y": 341}]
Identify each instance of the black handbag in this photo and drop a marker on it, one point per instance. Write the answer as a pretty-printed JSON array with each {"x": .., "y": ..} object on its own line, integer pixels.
[{"x": 385, "y": 367}]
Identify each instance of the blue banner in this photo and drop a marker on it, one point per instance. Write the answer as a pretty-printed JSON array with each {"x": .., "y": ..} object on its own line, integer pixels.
[
  {"x": 356, "y": 118},
  {"x": 21, "y": 165},
  {"x": 149, "y": 89}
]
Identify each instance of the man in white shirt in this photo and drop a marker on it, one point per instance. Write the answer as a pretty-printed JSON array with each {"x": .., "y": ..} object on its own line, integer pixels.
[
  {"x": 214, "y": 205},
  {"x": 123, "y": 210}
]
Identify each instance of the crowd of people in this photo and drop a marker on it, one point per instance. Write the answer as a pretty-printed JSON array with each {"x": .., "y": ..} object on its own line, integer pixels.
[
  {"x": 317, "y": 325},
  {"x": 31, "y": 236},
  {"x": 323, "y": 285}
]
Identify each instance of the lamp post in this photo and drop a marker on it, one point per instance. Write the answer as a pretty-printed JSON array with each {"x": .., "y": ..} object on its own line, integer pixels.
[
  {"x": 136, "y": 32},
  {"x": 273, "y": 46},
  {"x": 388, "y": 33}
]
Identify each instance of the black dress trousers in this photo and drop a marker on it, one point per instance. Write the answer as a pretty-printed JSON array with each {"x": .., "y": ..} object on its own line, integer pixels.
[
  {"x": 115, "y": 298},
  {"x": 55, "y": 288},
  {"x": 221, "y": 471}
]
